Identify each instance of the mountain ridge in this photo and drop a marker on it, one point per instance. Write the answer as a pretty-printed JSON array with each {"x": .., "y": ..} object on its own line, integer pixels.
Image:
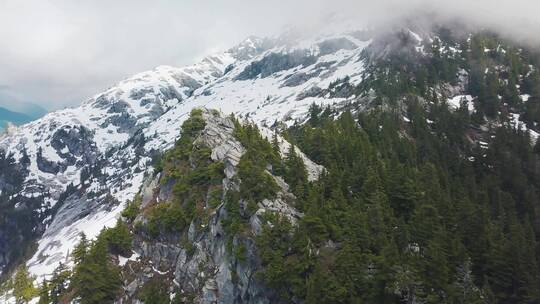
[{"x": 116, "y": 117}]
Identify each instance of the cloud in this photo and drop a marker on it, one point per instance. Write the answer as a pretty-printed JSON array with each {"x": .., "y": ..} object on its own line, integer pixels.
[{"x": 60, "y": 52}]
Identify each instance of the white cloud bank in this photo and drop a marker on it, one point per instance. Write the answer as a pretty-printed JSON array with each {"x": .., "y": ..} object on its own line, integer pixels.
[{"x": 59, "y": 52}]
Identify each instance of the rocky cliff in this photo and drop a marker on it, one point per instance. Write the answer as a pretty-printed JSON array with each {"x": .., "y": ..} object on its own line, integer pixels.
[{"x": 204, "y": 260}]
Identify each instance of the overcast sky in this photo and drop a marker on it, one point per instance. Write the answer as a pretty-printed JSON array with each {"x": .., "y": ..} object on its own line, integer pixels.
[{"x": 57, "y": 53}]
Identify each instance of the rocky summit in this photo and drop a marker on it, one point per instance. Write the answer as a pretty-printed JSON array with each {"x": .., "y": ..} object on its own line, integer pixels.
[{"x": 206, "y": 270}]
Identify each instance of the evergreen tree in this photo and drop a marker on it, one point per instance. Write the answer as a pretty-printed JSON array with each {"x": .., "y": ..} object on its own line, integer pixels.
[
  {"x": 153, "y": 292},
  {"x": 119, "y": 238},
  {"x": 81, "y": 249},
  {"x": 58, "y": 283},
  {"x": 23, "y": 285},
  {"x": 296, "y": 174},
  {"x": 95, "y": 279},
  {"x": 44, "y": 296}
]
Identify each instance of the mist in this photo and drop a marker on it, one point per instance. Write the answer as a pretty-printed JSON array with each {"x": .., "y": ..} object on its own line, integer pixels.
[{"x": 58, "y": 53}]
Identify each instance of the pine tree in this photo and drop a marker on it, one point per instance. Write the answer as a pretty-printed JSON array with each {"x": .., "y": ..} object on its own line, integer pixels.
[
  {"x": 81, "y": 249},
  {"x": 467, "y": 292},
  {"x": 491, "y": 102},
  {"x": 154, "y": 292},
  {"x": 379, "y": 214},
  {"x": 58, "y": 283},
  {"x": 23, "y": 285},
  {"x": 95, "y": 279},
  {"x": 296, "y": 173},
  {"x": 277, "y": 164},
  {"x": 44, "y": 296},
  {"x": 119, "y": 238}
]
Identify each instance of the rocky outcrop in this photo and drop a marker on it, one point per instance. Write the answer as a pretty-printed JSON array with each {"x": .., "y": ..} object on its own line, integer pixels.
[
  {"x": 276, "y": 62},
  {"x": 199, "y": 263}
]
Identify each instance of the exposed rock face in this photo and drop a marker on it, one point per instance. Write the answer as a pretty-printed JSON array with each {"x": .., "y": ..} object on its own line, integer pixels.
[
  {"x": 206, "y": 269},
  {"x": 274, "y": 63},
  {"x": 333, "y": 45},
  {"x": 74, "y": 144}
]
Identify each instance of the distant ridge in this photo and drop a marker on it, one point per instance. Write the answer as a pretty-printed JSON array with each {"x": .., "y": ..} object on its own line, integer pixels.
[
  {"x": 13, "y": 117},
  {"x": 32, "y": 110}
]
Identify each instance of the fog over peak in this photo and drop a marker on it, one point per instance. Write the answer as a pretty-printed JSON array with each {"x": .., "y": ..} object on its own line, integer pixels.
[{"x": 60, "y": 52}]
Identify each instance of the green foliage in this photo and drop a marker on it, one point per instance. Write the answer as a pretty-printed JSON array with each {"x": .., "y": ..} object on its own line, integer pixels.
[
  {"x": 44, "y": 297},
  {"x": 404, "y": 213},
  {"x": 166, "y": 218},
  {"x": 214, "y": 197},
  {"x": 194, "y": 124},
  {"x": 318, "y": 232},
  {"x": 132, "y": 209},
  {"x": 283, "y": 258},
  {"x": 236, "y": 221},
  {"x": 407, "y": 218},
  {"x": 256, "y": 184},
  {"x": 55, "y": 290},
  {"x": 81, "y": 249},
  {"x": 240, "y": 253},
  {"x": 296, "y": 174},
  {"x": 23, "y": 285},
  {"x": 171, "y": 162},
  {"x": 57, "y": 286},
  {"x": 95, "y": 278},
  {"x": 118, "y": 238},
  {"x": 154, "y": 292},
  {"x": 195, "y": 180}
]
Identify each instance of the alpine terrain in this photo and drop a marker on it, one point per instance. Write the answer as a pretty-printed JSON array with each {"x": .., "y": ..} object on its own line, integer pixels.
[{"x": 395, "y": 165}]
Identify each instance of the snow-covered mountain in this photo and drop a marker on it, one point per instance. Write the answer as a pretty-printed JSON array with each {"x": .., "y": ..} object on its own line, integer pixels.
[
  {"x": 77, "y": 167},
  {"x": 73, "y": 170}
]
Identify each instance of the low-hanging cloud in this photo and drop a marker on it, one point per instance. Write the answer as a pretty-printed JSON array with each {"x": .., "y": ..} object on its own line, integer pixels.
[{"x": 59, "y": 52}]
